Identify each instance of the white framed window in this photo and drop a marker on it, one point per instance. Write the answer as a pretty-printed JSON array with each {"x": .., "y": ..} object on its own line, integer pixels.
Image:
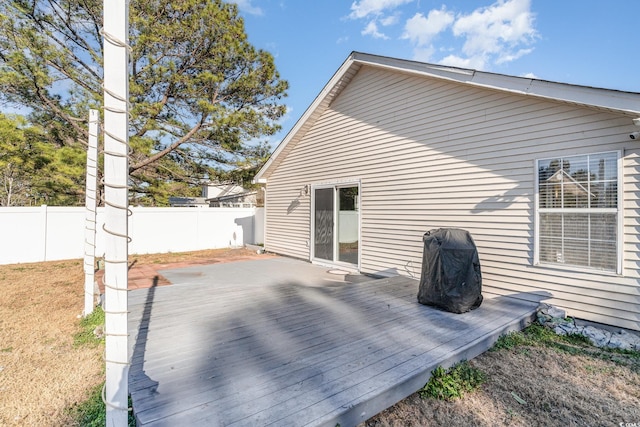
[{"x": 578, "y": 211}]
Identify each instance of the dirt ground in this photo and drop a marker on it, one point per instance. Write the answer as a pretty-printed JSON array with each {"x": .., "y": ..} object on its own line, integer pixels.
[
  {"x": 559, "y": 389},
  {"x": 42, "y": 373}
]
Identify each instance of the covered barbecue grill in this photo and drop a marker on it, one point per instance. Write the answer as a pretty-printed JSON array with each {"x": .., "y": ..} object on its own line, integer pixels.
[{"x": 451, "y": 277}]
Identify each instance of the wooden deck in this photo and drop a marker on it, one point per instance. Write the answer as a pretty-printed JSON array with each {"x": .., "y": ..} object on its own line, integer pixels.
[{"x": 283, "y": 342}]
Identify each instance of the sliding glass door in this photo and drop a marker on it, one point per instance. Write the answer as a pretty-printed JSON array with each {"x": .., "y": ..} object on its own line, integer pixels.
[
  {"x": 323, "y": 223},
  {"x": 336, "y": 223}
]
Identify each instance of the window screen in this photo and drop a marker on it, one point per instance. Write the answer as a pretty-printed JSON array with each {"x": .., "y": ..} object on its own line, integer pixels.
[{"x": 578, "y": 211}]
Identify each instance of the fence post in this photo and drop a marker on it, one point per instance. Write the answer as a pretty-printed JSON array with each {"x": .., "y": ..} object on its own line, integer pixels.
[{"x": 90, "y": 213}]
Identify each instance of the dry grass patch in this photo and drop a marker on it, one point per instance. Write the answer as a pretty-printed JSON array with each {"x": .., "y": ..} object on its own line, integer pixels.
[
  {"x": 209, "y": 255},
  {"x": 43, "y": 373},
  {"x": 561, "y": 383}
]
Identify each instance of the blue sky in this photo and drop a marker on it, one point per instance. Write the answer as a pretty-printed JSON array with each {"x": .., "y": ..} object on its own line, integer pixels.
[{"x": 585, "y": 42}]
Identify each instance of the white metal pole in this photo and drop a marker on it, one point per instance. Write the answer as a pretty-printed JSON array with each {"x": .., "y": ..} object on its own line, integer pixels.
[
  {"x": 90, "y": 213},
  {"x": 116, "y": 176}
]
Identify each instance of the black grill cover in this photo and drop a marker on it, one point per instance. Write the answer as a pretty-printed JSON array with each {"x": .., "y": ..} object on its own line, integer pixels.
[{"x": 451, "y": 278}]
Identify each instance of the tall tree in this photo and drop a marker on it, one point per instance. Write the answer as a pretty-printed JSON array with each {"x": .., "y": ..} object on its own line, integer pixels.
[
  {"x": 16, "y": 162},
  {"x": 200, "y": 93},
  {"x": 34, "y": 172}
]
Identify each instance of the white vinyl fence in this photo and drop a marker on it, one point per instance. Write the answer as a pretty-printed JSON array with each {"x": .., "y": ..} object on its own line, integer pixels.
[{"x": 45, "y": 233}]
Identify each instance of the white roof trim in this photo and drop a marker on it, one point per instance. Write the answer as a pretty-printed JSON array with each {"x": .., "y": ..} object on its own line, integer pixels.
[{"x": 608, "y": 99}]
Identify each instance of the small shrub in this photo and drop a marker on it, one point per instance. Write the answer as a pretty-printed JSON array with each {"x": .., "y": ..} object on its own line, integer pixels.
[
  {"x": 538, "y": 334},
  {"x": 452, "y": 384}
]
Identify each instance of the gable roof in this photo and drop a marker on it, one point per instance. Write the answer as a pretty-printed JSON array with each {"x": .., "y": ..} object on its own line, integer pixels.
[
  {"x": 627, "y": 103},
  {"x": 571, "y": 185}
]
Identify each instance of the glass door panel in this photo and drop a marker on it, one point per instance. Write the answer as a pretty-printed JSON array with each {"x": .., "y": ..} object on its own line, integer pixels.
[
  {"x": 323, "y": 223},
  {"x": 348, "y": 220}
]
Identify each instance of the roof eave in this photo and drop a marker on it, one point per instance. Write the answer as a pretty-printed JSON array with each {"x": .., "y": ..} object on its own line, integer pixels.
[{"x": 627, "y": 103}]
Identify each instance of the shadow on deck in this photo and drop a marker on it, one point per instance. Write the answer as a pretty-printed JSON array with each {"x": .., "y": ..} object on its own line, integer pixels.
[{"x": 284, "y": 342}]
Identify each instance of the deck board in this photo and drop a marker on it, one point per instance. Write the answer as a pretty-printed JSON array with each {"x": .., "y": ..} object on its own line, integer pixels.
[{"x": 283, "y": 342}]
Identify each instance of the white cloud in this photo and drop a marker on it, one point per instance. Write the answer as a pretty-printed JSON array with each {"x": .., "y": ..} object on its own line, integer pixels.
[
  {"x": 476, "y": 62},
  {"x": 378, "y": 12},
  {"x": 508, "y": 57},
  {"x": 423, "y": 54},
  {"x": 530, "y": 76},
  {"x": 421, "y": 30},
  {"x": 498, "y": 30},
  {"x": 495, "y": 34},
  {"x": 247, "y": 7},
  {"x": 364, "y": 8},
  {"x": 389, "y": 20},
  {"x": 372, "y": 30}
]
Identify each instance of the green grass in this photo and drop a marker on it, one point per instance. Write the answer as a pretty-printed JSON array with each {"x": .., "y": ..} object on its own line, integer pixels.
[
  {"x": 536, "y": 335},
  {"x": 454, "y": 383},
  {"x": 92, "y": 412},
  {"x": 86, "y": 336}
]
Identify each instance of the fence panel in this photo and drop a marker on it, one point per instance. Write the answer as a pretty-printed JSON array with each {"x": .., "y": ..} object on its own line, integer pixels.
[{"x": 33, "y": 234}]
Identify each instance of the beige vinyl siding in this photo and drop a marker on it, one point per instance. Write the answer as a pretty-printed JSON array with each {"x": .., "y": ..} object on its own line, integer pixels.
[
  {"x": 287, "y": 218},
  {"x": 431, "y": 153}
]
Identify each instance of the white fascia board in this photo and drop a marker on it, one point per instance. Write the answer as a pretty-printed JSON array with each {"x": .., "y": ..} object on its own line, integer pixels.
[{"x": 626, "y": 102}]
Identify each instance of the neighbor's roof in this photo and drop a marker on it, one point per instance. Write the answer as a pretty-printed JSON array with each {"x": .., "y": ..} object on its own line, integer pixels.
[
  {"x": 627, "y": 103},
  {"x": 232, "y": 196}
]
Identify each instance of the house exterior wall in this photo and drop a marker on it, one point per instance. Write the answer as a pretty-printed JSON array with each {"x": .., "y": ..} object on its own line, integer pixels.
[{"x": 430, "y": 153}]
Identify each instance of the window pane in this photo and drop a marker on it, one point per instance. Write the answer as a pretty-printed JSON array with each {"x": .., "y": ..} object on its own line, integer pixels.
[
  {"x": 576, "y": 226},
  {"x": 550, "y": 249},
  {"x": 574, "y": 194},
  {"x": 348, "y": 224},
  {"x": 604, "y": 227},
  {"x": 577, "y": 167},
  {"x": 604, "y": 172},
  {"x": 547, "y": 197},
  {"x": 323, "y": 226},
  {"x": 604, "y": 167},
  {"x": 603, "y": 255},
  {"x": 575, "y": 182},
  {"x": 611, "y": 195},
  {"x": 544, "y": 170},
  {"x": 550, "y": 225},
  {"x": 576, "y": 252}
]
